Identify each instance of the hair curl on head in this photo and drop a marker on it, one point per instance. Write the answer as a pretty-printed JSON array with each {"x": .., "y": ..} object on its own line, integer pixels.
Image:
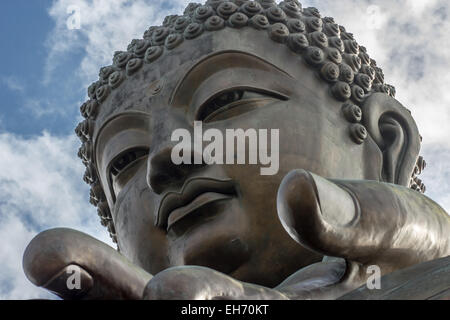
[{"x": 325, "y": 46}]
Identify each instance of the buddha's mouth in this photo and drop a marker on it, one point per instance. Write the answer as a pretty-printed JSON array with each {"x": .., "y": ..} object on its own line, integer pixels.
[{"x": 195, "y": 194}]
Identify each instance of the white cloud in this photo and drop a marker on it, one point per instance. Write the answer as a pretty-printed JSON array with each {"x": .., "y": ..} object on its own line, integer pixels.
[
  {"x": 41, "y": 188},
  {"x": 40, "y": 107},
  {"x": 13, "y": 84},
  {"x": 14, "y": 284},
  {"x": 106, "y": 27}
]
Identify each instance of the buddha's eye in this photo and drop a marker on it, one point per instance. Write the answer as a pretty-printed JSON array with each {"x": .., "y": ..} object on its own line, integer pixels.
[
  {"x": 225, "y": 99},
  {"x": 232, "y": 103},
  {"x": 126, "y": 160},
  {"x": 218, "y": 102}
]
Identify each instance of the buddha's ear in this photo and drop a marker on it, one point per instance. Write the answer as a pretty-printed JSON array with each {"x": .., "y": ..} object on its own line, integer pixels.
[{"x": 394, "y": 130}]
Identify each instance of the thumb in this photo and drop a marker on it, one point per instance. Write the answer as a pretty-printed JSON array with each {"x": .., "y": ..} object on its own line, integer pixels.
[{"x": 363, "y": 221}]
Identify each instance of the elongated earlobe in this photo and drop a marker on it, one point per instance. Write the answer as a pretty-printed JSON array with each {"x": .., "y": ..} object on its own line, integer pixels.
[{"x": 394, "y": 130}]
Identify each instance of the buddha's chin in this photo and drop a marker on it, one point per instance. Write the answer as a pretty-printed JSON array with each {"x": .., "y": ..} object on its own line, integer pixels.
[
  {"x": 224, "y": 254},
  {"x": 216, "y": 242}
]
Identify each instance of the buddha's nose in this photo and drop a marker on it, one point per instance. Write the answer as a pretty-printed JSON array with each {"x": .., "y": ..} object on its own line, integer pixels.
[{"x": 164, "y": 175}]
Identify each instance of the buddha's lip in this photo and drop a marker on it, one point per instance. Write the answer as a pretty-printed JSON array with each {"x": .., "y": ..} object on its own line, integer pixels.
[
  {"x": 192, "y": 197},
  {"x": 200, "y": 201}
]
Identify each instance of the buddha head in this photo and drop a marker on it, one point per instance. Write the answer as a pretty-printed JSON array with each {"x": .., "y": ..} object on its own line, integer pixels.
[{"x": 249, "y": 65}]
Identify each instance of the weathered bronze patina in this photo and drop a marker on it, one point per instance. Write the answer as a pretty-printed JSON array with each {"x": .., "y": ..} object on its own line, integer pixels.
[{"x": 345, "y": 198}]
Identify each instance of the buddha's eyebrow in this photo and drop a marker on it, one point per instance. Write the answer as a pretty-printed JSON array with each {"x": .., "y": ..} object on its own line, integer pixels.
[
  {"x": 120, "y": 122},
  {"x": 217, "y": 62}
]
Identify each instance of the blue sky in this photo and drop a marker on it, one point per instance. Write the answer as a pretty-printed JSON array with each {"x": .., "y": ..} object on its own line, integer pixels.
[
  {"x": 46, "y": 68},
  {"x": 24, "y": 27}
]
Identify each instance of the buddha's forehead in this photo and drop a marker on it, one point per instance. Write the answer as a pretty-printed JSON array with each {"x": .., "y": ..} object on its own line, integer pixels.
[{"x": 163, "y": 75}]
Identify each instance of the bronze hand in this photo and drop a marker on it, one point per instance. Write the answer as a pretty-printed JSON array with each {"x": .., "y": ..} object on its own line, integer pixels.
[
  {"x": 104, "y": 273},
  {"x": 364, "y": 222}
]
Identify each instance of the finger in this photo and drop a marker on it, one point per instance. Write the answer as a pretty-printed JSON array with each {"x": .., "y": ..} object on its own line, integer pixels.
[
  {"x": 319, "y": 281},
  {"x": 200, "y": 283},
  {"x": 362, "y": 221},
  {"x": 51, "y": 258}
]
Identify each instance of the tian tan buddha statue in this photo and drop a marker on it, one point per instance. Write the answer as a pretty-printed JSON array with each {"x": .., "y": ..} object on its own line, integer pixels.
[{"x": 346, "y": 197}]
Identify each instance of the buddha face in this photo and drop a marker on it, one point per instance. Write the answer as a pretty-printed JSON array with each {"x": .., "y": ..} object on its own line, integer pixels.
[{"x": 219, "y": 216}]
